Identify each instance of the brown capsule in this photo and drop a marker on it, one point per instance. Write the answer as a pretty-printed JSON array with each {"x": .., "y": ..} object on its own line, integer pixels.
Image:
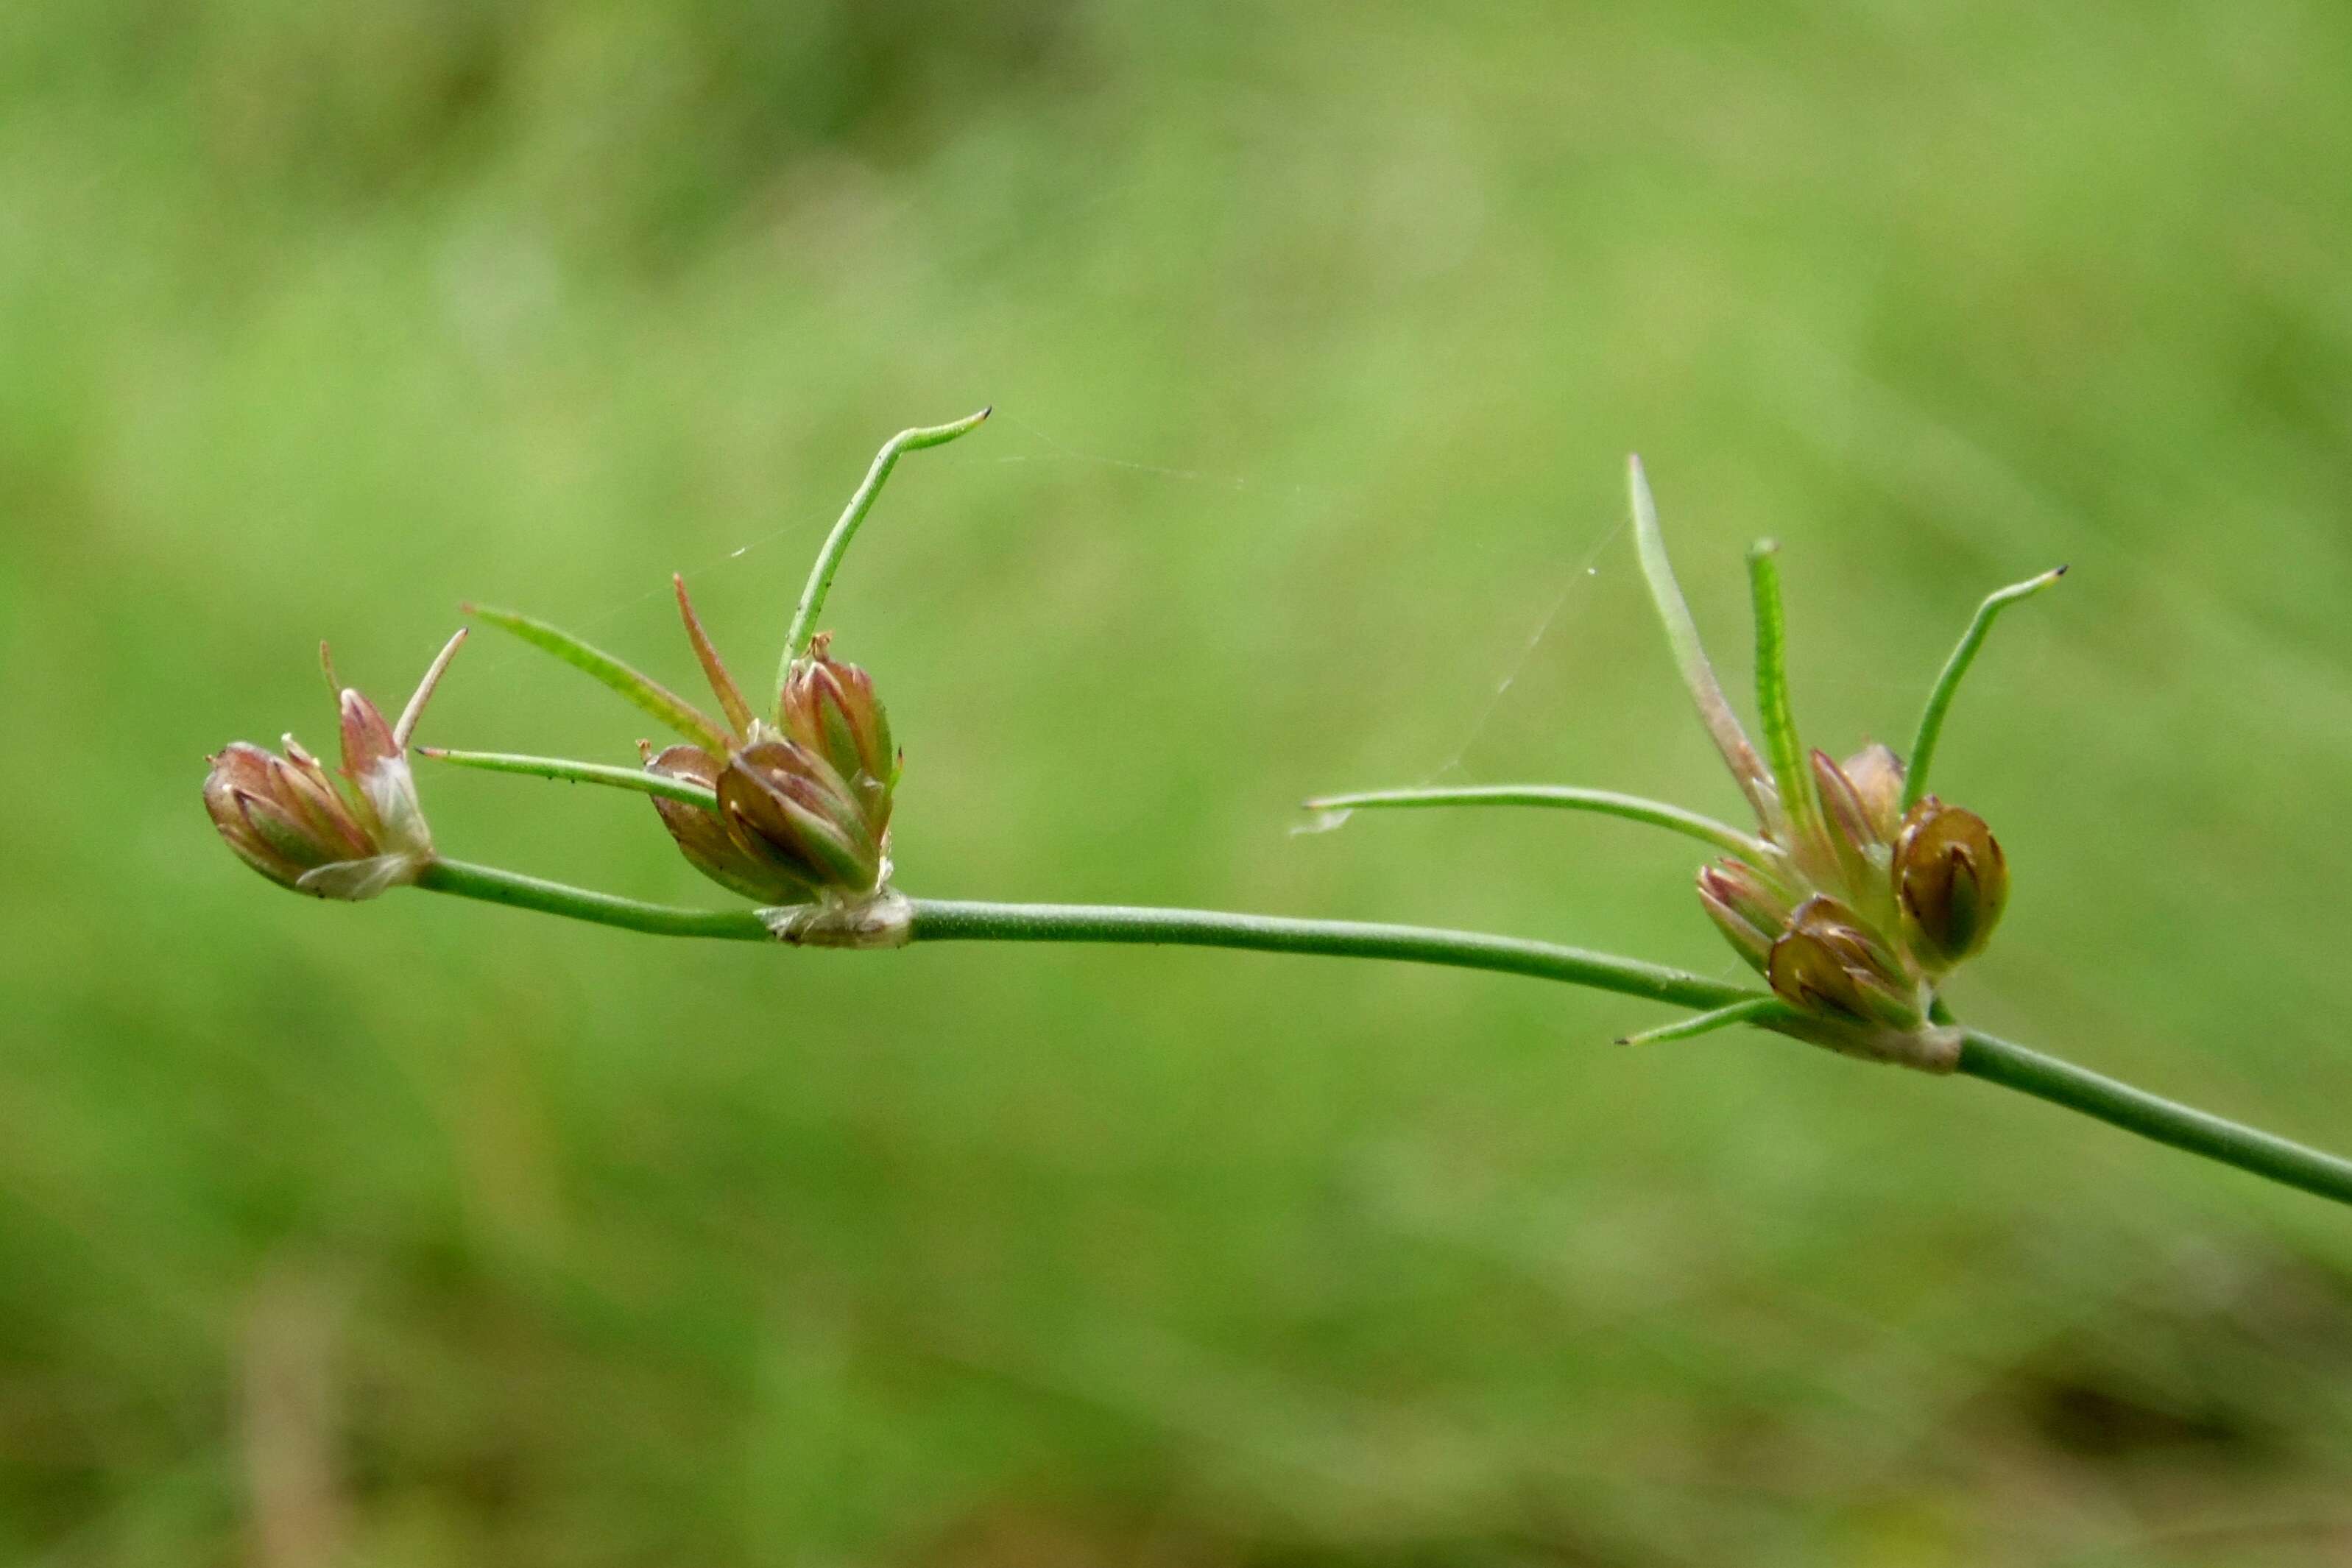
[{"x": 1952, "y": 881}]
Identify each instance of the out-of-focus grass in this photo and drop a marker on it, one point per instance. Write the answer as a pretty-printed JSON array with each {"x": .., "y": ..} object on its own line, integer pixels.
[{"x": 424, "y": 1234}]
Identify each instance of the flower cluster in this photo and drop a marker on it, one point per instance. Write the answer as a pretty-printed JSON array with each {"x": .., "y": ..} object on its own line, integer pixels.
[
  {"x": 800, "y": 806},
  {"x": 351, "y": 836},
  {"x": 1865, "y": 906}
]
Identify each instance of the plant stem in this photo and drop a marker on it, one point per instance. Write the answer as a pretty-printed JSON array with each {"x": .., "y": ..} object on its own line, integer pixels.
[
  {"x": 953, "y": 919},
  {"x": 516, "y": 891},
  {"x": 836, "y": 543},
  {"x": 2095, "y": 1095},
  {"x": 1983, "y": 1055}
]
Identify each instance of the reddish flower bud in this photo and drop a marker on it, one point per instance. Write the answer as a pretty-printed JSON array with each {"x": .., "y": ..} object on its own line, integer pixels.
[
  {"x": 831, "y": 709},
  {"x": 291, "y": 822},
  {"x": 1744, "y": 907}
]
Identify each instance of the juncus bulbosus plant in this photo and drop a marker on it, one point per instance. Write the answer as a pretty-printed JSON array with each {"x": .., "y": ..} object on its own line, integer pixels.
[{"x": 1854, "y": 898}]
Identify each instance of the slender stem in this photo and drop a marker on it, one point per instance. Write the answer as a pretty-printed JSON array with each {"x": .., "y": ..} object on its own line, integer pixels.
[
  {"x": 516, "y": 891},
  {"x": 1983, "y": 1055},
  {"x": 1948, "y": 683},
  {"x": 2047, "y": 1077},
  {"x": 639, "y": 779},
  {"x": 1715, "y": 708},
  {"x": 1632, "y": 808},
  {"x": 950, "y": 920},
  {"x": 836, "y": 543},
  {"x": 1791, "y": 775},
  {"x": 945, "y": 919}
]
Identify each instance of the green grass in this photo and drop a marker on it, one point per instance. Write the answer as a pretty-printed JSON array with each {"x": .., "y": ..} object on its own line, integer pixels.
[{"x": 1316, "y": 339}]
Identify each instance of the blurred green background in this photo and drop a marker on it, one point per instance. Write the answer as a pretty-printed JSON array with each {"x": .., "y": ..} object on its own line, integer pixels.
[{"x": 422, "y": 1233}]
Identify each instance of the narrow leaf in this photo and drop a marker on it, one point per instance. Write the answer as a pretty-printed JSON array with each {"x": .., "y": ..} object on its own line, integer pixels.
[
  {"x": 1608, "y": 803},
  {"x": 1690, "y": 655},
  {"x": 1948, "y": 683},
  {"x": 714, "y": 669},
  {"x": 1755, "y": 1009},
  {"x": 637, "y": 779},
  {"x": 647, "y": 693},
  {"x": 836, "y": 543},
  {"x": 1791, "y": 775}
]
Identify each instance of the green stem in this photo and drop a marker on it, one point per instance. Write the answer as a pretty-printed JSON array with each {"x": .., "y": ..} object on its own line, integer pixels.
[
  {"x": 2120, "y": 1105},
  {"x": 1983, "y": 1055},
  {"x": 518, "y": 891},
  {"x": 1632, "y": 808},
  {"x": 570, "y": 772},
  {"x": 949, "y": 919},
  {"x": 1948, "y": 683},
  {"x": 836, "y": 543}
]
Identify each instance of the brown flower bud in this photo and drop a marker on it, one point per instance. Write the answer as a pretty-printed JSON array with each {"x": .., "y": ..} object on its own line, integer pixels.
[
  {"x": 1831, "y": 962},
  {"x": 1952, "y": 881}
]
